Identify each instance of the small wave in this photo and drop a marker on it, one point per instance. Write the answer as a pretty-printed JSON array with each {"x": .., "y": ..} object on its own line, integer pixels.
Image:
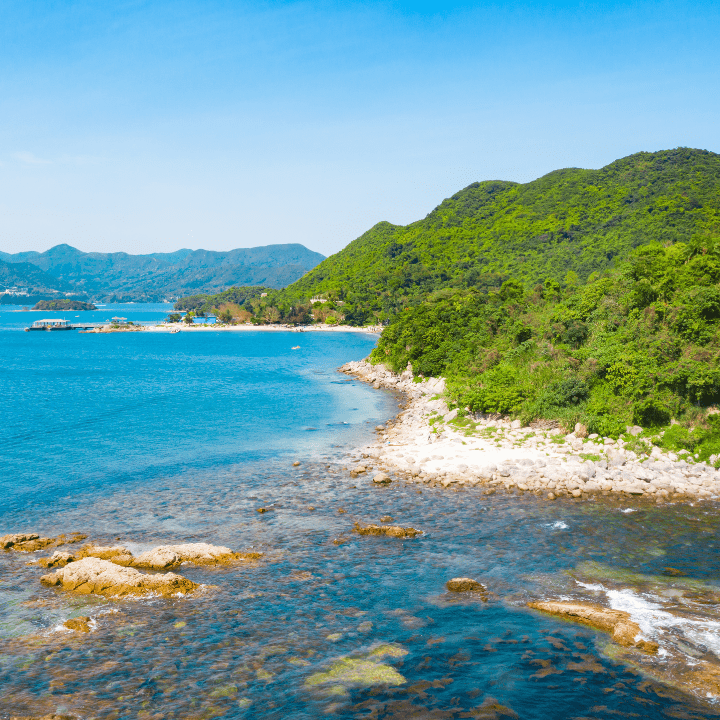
[
  {"x": 557, "y": 525},
  {"x": 628, "y": 510}
]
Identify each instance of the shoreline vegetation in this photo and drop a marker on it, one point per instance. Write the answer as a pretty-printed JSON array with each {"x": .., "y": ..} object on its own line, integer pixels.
[{"x": 432, "y": 444}]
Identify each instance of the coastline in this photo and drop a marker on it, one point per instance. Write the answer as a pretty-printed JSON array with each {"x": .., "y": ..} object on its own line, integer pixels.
[
  {"x": 183, "y": 327},
  {"x": 427, "y": 443}
]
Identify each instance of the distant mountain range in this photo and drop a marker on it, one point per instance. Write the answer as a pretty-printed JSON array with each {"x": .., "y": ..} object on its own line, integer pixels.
[{"x": 119, "y": 277}]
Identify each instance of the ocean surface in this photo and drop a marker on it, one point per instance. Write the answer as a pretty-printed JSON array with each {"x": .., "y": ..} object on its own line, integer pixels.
[{"x": 143, "y": 439}]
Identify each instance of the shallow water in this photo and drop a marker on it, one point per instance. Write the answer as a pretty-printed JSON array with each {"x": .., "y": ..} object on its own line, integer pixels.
[{"x": 146, "y": 439}]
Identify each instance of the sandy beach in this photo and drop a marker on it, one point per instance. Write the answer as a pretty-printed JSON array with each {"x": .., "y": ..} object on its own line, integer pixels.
[{"x": 428, "y": 443}]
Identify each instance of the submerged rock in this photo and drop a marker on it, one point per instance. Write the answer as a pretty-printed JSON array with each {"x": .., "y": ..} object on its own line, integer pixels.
[
  {"x": 618, "y": 623},
  {"x": 102, "y": 577},
  {"x": 363, "y": 671},
  {"x": 389, "y": 530}
]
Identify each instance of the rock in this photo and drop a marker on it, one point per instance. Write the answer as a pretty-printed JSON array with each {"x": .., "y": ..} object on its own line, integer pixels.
[
  {"x": 79, "y": 624},
  {"x": 382, "y": 479},
  {"x": 102, "y": 577},
  {"x": 451, "y": 415},
  {"x": 387, "y": 518},
  {"x": 551, "y": 496},
  {"x": 515, "y": 425},
  {"x": 57, "y": 560},
  {"x": 463, "y": 584},
  {"x": 296, "y": 463},
  {"x": 32, "y": 543},
  {"x": 168, "y": 556},
  {"x": 618, "y": 623},
  {"x": 7, "y": 541},
  {"x": 389, "y": 530},
  {"x": 580, "y": 430},
  {"x": 52, "y": 716},
  {"x": 380, "y": 428},
  {"x": 116, "y": 553}
]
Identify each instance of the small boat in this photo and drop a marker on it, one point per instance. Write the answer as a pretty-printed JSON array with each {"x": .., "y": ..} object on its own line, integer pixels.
[{"x": 50, "y": 324}]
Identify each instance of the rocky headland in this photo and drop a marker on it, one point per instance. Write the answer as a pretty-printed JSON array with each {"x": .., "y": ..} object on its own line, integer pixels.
[{"x": 429, "y": 443}]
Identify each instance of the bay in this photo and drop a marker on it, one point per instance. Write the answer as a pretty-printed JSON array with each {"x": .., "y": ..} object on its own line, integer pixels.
[{"x": 142, "y": 439}]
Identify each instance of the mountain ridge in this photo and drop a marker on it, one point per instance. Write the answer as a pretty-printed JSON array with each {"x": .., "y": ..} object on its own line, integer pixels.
[{"x": 155, "y": 276}]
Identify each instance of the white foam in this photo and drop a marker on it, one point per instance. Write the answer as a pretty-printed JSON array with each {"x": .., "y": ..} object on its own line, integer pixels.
[
  {"x": 656, "y": 623},
  {"x": 628, "y": 510},
  {"x": 557, "y": 525}
]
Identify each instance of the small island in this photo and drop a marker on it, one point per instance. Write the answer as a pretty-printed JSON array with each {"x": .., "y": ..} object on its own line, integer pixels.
[{"x": 64, "y": 304}]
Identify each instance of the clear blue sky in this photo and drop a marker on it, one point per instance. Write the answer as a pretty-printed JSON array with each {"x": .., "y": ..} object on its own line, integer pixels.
[{"x": 149, "y": 125}]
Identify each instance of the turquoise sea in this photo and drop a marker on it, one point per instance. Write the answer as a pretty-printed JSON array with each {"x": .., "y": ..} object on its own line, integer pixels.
[{"x": 143, "y": 439}]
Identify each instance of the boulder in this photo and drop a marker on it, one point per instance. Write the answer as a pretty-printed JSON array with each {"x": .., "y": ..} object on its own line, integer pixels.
[
  {"x": 92, "y": 575},
  {"x": 7, "y": 541},
  {"x": 117, "y": 553},
  {"x": 580, "y": 430},
  {"x": 25, "y": 542},
  {"x": 618, "y": 623},
  {"x": 389, "y": 530},
  {"x": 463, "y": 584},
  {"x": 57, "y": 560},
  {"x": 79, "y": 624},
  {"x": 167, "y": 556},
  {"x": 382, "y": 479}
]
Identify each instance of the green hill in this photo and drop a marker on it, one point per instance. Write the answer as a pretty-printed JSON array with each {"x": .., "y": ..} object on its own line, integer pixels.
[
  {"x": 569, "y": 221},
  {"x": 638, "y": 345}
]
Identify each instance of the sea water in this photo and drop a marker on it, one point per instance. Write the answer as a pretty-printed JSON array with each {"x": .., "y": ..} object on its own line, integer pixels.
[{"x": 143, "y": 439}]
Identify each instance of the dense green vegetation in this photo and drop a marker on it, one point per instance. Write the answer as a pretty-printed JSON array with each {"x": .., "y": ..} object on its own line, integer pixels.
[
  {"x": 262, "y": 305},
  {"x": 562, "y": 227},
  {"x": 636, "y": 345},
  {"x": 65, "y": 304}
]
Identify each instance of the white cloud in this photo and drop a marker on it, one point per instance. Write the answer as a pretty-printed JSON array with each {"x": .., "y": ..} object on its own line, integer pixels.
[{"x": 30, "y": 158}]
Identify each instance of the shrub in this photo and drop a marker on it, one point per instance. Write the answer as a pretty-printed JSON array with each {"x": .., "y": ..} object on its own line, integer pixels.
[
  {"x": 651, "y": 413},
  {"x": 570, "y": 391}
]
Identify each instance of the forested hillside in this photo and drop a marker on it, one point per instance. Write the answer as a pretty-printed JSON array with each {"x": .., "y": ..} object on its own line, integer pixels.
[
  {"x": 565, "y": 227},
  {"x": 562, "y": 227},
  {"x": 636, "y": 345}
]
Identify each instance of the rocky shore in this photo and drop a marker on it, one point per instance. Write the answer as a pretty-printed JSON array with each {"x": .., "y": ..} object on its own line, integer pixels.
[
  {"x": 428, "y": 443},
  {"x": 111, "y": 571}
]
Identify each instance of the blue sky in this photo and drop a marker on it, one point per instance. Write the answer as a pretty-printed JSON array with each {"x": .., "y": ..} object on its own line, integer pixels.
[{"x": 151, "y": 126}]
